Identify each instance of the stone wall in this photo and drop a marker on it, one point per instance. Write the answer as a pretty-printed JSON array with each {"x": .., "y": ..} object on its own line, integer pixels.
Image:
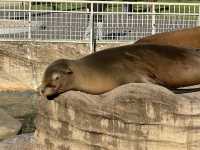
[{"x": 130, "y": 117}]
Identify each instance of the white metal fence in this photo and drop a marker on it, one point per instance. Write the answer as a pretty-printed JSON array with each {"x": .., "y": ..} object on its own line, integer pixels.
[{"x": 84, "y": 21}]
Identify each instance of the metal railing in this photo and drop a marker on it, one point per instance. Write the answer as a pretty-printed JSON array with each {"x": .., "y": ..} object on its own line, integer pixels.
[{"x": 87, "y": 21}]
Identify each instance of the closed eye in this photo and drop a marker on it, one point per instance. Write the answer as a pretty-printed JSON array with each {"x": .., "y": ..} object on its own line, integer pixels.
[{"x": 55, "y": 76}]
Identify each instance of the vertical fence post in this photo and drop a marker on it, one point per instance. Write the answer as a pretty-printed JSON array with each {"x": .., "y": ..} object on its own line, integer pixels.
[
  {"x": 92, "y": 40},
  {"x": 198, "y": 21},
  {"x": 153, "y": 19},
  {"x": 29, "y": 20}
]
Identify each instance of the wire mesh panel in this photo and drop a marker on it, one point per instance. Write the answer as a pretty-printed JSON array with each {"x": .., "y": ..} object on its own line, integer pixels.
[
  {"x": 43, "y": 21},
  {"x": 59, "y": 21},
  {"x": 123, "y": 22},
  {"x": 13, "y": 20},
  {"x": 81, "y": 21}
]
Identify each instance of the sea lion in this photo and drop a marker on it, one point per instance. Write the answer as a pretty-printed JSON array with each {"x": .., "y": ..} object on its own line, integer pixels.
[
  {"x": 188, "y": 38},
  {"x": 169, "y": 66}
]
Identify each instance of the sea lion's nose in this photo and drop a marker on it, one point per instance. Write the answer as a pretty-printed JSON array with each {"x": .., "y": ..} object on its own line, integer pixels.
[{"x": 41, "y": 90}]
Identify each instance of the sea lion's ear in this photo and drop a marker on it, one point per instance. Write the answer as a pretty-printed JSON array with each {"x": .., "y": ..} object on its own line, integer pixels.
[{"x": 68, "y": 71}]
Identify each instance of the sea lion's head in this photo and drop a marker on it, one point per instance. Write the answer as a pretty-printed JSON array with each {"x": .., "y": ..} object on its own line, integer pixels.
[{"x": 58, "y": 78}]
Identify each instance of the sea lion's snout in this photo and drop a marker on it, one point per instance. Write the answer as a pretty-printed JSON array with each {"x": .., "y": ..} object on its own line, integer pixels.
[
  {"x": 42, "y": 90},
  {"x": 48, "y": 92},
  {"x": 50, "y": 85},
  {"x": 58, "y": 78}
]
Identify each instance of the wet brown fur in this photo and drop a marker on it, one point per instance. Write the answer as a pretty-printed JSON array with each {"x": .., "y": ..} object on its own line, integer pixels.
[
  {"x": 188, "y": 38},
  {"x": 100, "y": 72}
]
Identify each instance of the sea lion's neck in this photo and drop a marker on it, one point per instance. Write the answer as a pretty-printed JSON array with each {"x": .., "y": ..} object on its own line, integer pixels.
[{"x": 86, "y": 79}]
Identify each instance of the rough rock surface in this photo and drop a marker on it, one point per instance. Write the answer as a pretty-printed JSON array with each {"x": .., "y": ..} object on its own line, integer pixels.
[
  {"x": 9, "y": 83},
  {"x": 8, "y": 125},
  {"x": 20, "y": 142},
  {"x": 130, "y": 117},
  {"x": 22, "y": 106},
  {"x": 18, "y": 103}
]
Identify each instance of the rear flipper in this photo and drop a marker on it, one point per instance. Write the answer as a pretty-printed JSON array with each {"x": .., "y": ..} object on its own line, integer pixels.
[
  {"x": 174, "y": 90},
  {"x": 181, "y": 91}
]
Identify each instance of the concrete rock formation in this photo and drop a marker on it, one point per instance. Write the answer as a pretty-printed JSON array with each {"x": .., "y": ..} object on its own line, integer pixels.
[
  {"x": 20, "y": 142},
  {"x": 130, "y": 117},
  {"x": 8, "y": 125}
]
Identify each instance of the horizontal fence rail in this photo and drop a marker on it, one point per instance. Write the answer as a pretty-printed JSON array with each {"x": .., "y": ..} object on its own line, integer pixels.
[{"x": 86, "y": 21}]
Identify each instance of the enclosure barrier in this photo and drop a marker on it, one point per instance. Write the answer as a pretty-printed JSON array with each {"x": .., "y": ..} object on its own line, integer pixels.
[{"x": 89, "y": 21}]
